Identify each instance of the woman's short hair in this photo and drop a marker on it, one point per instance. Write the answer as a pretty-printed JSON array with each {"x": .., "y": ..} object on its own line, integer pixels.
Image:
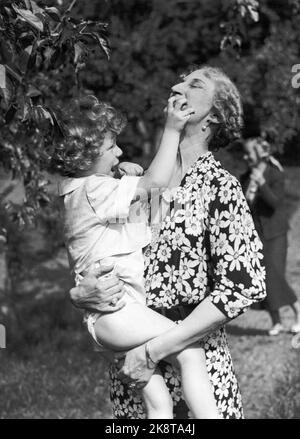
[
  {"x": 84, "y": 125},
  {"x": 227, "y": 105}
]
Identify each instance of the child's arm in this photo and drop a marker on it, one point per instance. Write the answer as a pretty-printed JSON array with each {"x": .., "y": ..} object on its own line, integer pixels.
[
  {"x": 111, "y": 199},
  {"x": 160, "y": 170}
]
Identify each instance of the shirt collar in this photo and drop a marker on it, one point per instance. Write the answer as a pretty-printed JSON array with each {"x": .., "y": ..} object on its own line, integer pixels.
[{"x": 67, "y": 185}]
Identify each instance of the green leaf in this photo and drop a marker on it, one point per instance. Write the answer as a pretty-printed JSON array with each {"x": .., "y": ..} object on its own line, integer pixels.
[
  {"x": 25, "y": 111},
  {"x": 48, "y": 54},
  {"x": 7, "y": 91},
  {"x": 24, "y": 58},
  {"x": 29, "y": 17},
  {"x": 103, "y": 42},
  {"x": 6, "y": 51},
  {"x": 14, "y": 72},
  {"x": 79, "y": 51},
  {"x": 254, "y": 14},
  {"x": 44, "y": 114},
  {"x": 54, "y": 14},
  {"x": 60, "y": 130},
  {"x": 33, "y": 92},
  {"x": 35, "y": 8}
]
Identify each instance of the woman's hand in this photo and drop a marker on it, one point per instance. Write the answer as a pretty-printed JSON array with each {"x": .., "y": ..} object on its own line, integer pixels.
[
  {"x": 134, "y": 369},
  {"x": 99, "y": 294}
]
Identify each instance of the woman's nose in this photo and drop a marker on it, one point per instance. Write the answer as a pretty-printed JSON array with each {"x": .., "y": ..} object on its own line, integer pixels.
[{"x": 178, "y": 89}]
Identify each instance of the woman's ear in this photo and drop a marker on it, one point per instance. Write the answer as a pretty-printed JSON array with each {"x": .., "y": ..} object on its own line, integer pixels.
[{"x": 212, "y": 118}]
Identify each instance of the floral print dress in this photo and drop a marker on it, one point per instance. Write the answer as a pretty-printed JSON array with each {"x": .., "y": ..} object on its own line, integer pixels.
[{"x": 207, "y": 247}]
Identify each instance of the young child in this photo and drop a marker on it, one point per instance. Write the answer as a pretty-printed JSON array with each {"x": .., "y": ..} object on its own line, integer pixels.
[{"x": 103, "y": 219}]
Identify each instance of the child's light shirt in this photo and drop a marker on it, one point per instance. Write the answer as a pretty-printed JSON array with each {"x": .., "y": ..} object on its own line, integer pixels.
[{"x": 101, "y": 220}]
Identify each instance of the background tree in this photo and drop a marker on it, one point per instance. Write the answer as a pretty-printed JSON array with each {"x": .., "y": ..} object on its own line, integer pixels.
[
  {"x": 264, "y": 73},
  {"x": 42, "y": 50},
  {"x": 152, "y": 42}
]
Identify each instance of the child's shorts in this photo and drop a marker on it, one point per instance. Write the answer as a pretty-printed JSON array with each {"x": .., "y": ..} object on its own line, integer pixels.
[{"x": 90, "y": 318}]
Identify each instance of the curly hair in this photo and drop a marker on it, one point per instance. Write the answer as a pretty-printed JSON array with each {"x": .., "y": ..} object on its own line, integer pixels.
[
  {"x": 227, "y": 105},
  {"x": 84, "y": 127}
]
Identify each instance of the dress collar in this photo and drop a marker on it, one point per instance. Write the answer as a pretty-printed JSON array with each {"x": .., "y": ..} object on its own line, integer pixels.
[{"x": 207, "y": 157}]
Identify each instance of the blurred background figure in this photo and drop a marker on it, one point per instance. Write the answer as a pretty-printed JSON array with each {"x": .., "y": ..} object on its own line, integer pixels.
[{"x": 263, "y": 184}]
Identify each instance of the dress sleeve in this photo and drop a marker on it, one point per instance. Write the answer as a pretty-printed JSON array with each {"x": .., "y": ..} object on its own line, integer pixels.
[
  {"x": 236, "y": 252},
  {"x": 111, "y": 198}
]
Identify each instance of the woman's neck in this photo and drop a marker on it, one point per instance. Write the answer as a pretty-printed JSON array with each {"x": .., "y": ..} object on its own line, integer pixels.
[{"x": 193, "y": 144}]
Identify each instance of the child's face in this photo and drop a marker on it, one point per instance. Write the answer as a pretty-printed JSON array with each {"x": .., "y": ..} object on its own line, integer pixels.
[{"x": 108, "y": 157}]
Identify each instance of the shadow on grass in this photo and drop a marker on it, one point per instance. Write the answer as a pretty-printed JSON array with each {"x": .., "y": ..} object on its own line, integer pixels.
[{"x": 237, "y": 330}]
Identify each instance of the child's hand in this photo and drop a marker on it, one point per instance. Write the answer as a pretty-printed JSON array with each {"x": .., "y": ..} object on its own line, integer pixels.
[
  {"x": 177, "y": 113},
  {"x": 126, "y": 168}
]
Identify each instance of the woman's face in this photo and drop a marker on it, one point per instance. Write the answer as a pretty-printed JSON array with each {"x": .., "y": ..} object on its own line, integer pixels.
[{"x": 199, "y": 92}]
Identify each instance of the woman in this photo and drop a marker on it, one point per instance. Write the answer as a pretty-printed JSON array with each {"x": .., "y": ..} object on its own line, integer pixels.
[
  {"x": 264, "y": 190},
  {"x": 205, "y": 267}
]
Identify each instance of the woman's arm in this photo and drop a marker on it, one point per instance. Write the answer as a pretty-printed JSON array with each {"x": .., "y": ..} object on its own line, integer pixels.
[{"x": 204, "y": 319}]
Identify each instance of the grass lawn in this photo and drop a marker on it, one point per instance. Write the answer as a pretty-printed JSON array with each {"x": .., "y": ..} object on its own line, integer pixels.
[{"x": 50, "y": 369}]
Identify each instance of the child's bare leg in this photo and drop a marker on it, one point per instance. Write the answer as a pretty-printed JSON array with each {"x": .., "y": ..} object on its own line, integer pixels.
[
  {"x": 132, "y": 326},
  {"x": 158, "y": 401},
  {"x": 129, "y": 327},
  {"x": 196, "y": 385},
  {"x": 135, "y": 324}
]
